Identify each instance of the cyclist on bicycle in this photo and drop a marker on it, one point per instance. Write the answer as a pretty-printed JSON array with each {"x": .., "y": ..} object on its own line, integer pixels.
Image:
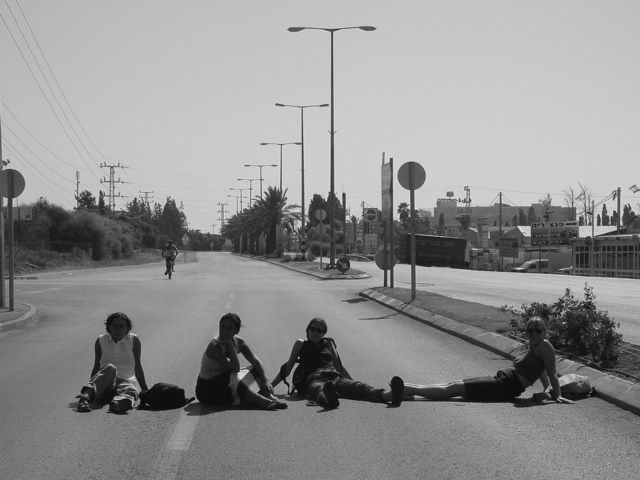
[{"x": 169, "y": 252}]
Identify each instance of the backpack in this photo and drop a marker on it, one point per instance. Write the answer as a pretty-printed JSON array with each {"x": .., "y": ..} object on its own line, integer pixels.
[
  {"x": 574, "y": 386},
  {"x": 299, "y": 377},
  {"x": 163, "y": 396}
]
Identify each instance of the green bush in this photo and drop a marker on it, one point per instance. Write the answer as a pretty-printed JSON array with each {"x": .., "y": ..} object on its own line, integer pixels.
[{"x": 574, "y": 326}]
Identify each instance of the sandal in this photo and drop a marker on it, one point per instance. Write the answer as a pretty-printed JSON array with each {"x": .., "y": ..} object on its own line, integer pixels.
[
  {"x": 397, "y": 391},
  {"x": 276, "y": 406}
]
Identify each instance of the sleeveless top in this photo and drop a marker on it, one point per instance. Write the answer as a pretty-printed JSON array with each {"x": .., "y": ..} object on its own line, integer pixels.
[
  {"x": 529, "y": 365},
  {"x": 316, "y": 356},
  {"x": 209, "y": 367},
  {"x": 120, "y": 354}
]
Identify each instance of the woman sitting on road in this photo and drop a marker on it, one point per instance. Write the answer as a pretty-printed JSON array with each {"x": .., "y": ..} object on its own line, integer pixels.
[
  {"x": 323, "y": 377},
  {"x": 222, "y": 382},
  {"x": 538, "y": 362},
  {"x": 116, "y": 368}
]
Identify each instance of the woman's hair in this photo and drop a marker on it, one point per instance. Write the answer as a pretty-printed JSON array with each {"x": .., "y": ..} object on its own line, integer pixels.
[
  {"x": 318, "y": 322},
  {"x": 234, "y": 318},
  {"x": 536, "y": 322},
  {"x": 115, "y": 315}
]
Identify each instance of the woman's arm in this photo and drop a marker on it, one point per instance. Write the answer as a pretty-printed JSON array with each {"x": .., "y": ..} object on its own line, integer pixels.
[
  {"x": 245, "y": 350},
  {"x": 548, "y": 355},
  {"x": 139, "y": 371},
  {"x": 224, "y": 353},
  {"x": 98, "y": 356},
  {"x": 295, "y": 353}
]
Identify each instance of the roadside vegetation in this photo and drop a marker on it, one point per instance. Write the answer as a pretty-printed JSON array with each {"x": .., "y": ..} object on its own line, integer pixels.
[{"x": 575, "y": 327}]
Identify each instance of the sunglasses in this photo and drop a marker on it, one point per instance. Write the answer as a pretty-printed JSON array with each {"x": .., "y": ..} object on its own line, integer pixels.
[
  {"x": 317, "y": 330},
  {"x": 532, "y": 330}
]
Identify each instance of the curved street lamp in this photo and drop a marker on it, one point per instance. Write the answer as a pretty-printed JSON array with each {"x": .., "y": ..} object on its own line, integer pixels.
[
  {"x": 332, "y": 213},
  {"x": 302, "y": 107}
]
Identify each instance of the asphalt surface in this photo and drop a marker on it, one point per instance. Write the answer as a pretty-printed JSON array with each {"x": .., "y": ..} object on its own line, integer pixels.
[{"x": 470, "y": 321}]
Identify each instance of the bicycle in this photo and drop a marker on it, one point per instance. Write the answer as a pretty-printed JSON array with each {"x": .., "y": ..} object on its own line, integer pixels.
[{"x": 170, "y": 261}]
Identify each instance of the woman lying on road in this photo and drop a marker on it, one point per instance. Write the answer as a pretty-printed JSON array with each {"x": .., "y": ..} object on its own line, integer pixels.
[
  {"x": 538, "y": 362},
  {"x": 222, "y": 382},
  {"x": 323, "y": 377}
]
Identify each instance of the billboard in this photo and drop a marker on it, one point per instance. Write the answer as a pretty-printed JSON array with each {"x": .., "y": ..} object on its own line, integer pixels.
[{"x": 553, "y": 233}]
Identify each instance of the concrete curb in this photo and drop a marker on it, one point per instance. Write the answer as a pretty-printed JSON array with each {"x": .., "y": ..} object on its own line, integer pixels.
[
  {"x": 612, "y": 389},
  {"x": 324, "y": 275},
  {"x": 20, "y": 321}
]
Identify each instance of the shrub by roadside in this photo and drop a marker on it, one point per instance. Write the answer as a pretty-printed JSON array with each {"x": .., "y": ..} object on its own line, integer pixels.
[{"x": 574, "y": 326}]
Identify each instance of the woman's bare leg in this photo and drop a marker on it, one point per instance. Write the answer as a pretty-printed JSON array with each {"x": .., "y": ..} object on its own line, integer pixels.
[{"x": 438, "y": 391}]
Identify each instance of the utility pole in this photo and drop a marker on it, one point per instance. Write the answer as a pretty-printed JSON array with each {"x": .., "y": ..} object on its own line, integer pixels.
[
  {"x": 146, "y": 200},
  {"x": 77, "y": 189},
  {"x": 222, "y": 211},
  {"x": 112, "y": 185}
]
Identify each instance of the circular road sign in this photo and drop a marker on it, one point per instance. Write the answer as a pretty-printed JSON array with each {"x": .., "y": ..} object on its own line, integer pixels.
[
  {"x": 411, "y": 176},
  {"x": 371, "y": 215},
  {"x": 11, "y": 183},
  {"x": 343, "y": 264},
  {"x": 321, "y": 214},
  {"x": 382, "y": 261}
]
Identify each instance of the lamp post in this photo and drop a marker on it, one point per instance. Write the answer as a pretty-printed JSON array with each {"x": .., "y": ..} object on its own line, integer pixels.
[
  {"x": 241, "y": 196},
  {"x": 280, "y": 145},
  {"x": 332, "y": 213},
  {"x": 261, "y": 166},
  {"x": 302, "y": 107},
  {"x": 236, "y": 197},
  {"x": 250, "y": 180}
]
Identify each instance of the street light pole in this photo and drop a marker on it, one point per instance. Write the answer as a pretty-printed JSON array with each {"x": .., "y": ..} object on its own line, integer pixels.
[
  {"x": 302, "y": 107},
  {"x": 280, "y": 145},
  {"x": 241, "y": 196},
  {"x": 332, "y": 199},
  {"x": 261, "y": 166},
  {"x": 250, "y": 180}
]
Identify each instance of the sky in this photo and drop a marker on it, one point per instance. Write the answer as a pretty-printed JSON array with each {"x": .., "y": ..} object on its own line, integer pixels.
[{"x": 501, "y": 96}]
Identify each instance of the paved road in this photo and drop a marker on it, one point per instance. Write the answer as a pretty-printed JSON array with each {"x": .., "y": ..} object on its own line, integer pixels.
[
  {"x": 620, "y": 297},
  {"x": 43, "y": 364}
]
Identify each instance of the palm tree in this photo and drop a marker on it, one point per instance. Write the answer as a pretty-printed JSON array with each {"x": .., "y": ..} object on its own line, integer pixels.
[{"x": 272, "y": 210}]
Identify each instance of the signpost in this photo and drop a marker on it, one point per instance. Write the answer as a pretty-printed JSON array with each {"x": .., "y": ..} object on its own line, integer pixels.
[
  {"x": 553, "y": 233},
  {"x": 412, "y": 176},
  {"x": 11, "y": 186},
  {"x": 386, "y": 174}
]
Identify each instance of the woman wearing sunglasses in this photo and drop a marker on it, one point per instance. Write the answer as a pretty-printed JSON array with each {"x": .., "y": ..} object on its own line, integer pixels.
[
  {"x": 324, "y": 379},
  {"x": 537, "y": 362}
]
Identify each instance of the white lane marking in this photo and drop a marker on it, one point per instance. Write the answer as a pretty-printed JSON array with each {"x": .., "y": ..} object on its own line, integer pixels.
[{"x": 169, "y": 460}]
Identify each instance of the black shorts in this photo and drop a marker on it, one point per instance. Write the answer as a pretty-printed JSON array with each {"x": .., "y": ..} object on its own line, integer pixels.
[{"x": 503, "y": 387}]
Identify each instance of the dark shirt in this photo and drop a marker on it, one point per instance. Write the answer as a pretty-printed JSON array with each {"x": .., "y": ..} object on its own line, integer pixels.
[{"x": 316, "y": 356}]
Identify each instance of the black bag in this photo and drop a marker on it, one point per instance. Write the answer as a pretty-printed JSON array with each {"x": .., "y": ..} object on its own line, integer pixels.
[{"x": 163, "y": 396}]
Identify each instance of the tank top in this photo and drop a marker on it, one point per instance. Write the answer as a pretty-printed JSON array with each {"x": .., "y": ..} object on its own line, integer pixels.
[
  {"x": 316, "y": 356},
  {"x": 529, "y": 365},
  {"x": 120, "y": 354},
  {"x": 209, "y": 367}
]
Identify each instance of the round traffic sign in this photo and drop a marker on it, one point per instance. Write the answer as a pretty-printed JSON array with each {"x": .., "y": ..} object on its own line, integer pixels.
[
  {"x": 371, "y": 215},
  {"x": 343, "y": 264},
  {"x": 11, "y": 183},
  {"x": 411, "y": 176},
  {"x": 321, "y": 214},
  {"x": 383, "y": 262}
]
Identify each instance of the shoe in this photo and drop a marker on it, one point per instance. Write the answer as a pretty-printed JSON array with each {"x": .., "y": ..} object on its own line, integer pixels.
[
  {"x": 277, "y": 406},
  {"x": 397, "y": 391},
  {"x": 120, "y": 406},
  {"x": 330, "y": 394},
  {"x": 165, "y": 273},
  {"x": 83, "y": 405}
]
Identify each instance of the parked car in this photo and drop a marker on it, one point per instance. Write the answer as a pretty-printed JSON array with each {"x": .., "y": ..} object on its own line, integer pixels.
[
  {"x": 533, "y": 266},
  {"x": 565, "y": 270}
]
